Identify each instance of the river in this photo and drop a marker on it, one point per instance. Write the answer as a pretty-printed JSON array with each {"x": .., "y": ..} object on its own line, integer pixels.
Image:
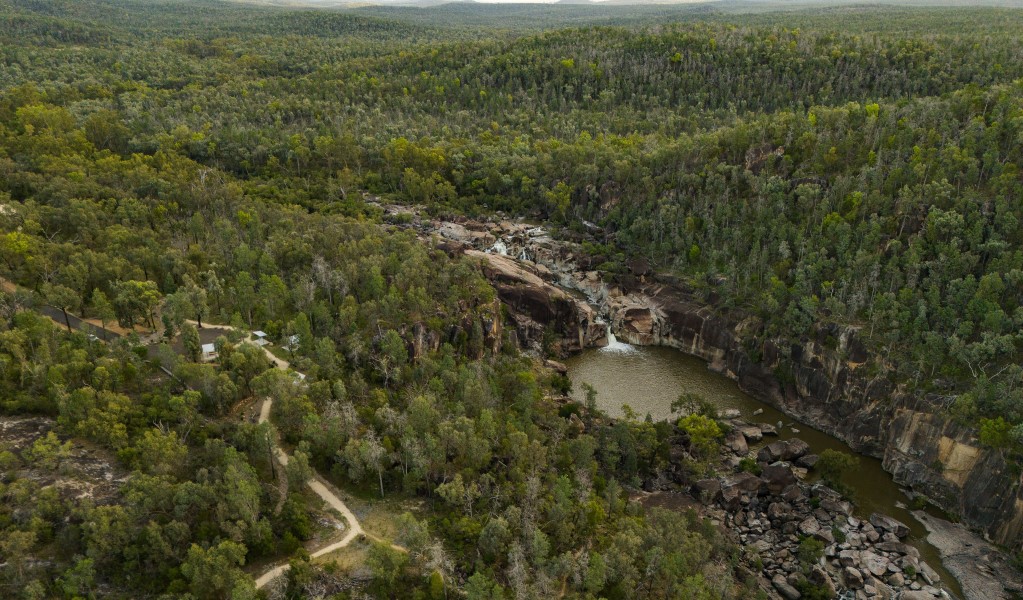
[{"x": 649, "y": 378}]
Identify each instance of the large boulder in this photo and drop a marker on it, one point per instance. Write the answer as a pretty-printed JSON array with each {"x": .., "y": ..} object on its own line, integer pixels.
[
  {"x": 735, "y": 487},
  {"x": 777, "y": 477},
  {"x": 745, "y": 482},
  {"x": 729, "y": 414},
  {"x": 752, "y": 433},
  {"x": 819, "y": 578},
  {"x": 808, "y": 461},
  {"x": 886, "y": 523},
  {"x": 929, "y": 574},
  {"x": 736, "y": 441},
  {"x": 707, "y": 489},
  {"x": 848, "y": 558},
  {"x": 876, "y": 564},
  {"x": 784, "y": 589},
  {"x": 797, "y": 448},
  {"x": 809, "y": 526},
  {"x": 852, "y": 578},
  {"x": 836, "y": 507},
  {"x": 783, "y": 450},
  {"x": 898, "y": 548}
]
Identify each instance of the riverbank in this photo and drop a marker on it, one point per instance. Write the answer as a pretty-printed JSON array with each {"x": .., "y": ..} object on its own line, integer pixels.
[
  {"x": 828, "y": 379},
  {"x": 980, "y": 567},
  {"x": 649, "y": 378}
]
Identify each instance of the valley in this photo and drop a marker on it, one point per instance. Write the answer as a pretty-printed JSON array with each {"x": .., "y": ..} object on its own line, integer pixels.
[{"x": 702, "y": 301}]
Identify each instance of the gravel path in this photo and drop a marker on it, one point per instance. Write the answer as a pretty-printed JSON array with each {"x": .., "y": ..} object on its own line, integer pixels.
[{"x": 321, "y": 489}]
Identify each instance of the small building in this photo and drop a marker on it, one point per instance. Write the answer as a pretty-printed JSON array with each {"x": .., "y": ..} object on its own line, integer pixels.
[
  {"x": 291, "y": 343},
  {"x": 209, "y": 353},
  {"x": 260, "y": 338}
]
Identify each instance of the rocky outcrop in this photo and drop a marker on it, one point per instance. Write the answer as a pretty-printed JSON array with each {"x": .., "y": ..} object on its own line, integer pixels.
[
  {"x": 944, "y": 460},
  {"x": 535, "y": 301},
  {"x": 537, "y": 306},
  {"x": 827, "y": 380},
  {"x": 978, "y": 566},
  {"x": 772, "y": 514}
]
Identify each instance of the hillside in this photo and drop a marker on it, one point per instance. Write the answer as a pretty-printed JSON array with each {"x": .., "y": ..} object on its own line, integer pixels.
[{"x": 800, "y": 178}]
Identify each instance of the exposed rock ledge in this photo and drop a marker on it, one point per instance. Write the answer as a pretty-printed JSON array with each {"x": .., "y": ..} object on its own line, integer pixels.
[
  {"x": 827, "y": 379},
  {"x": 981, "y": 569},
  {"x": 536, "y": 304}
]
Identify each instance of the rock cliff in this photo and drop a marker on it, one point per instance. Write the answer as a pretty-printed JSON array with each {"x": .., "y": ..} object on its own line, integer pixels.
[
  {"x": 830, "y": 382},
  {"x": 537, "y": 307},
  {"x": 827, "y": 380}
]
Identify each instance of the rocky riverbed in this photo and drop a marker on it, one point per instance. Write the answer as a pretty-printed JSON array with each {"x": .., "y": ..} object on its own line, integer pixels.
[
  {"x": 772, "y": 515},
  {"x": 827, "y": 379}
]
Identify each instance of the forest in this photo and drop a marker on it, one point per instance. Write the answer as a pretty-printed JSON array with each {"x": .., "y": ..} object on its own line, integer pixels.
[{"x": 169, "y": 164}]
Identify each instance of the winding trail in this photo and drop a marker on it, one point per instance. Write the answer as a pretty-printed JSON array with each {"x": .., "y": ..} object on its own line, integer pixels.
[{"x": 321, "y": 489}]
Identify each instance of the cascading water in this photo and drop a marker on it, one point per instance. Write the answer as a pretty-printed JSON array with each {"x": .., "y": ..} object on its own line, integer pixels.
[
  {"x": 499, "y": 247},
  {"x": 613, "y": 345}
]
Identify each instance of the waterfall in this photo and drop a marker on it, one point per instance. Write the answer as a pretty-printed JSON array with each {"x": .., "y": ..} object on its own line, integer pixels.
[
  {"x": 499, "y": 247},
  {"x": 613, "y": 345}
]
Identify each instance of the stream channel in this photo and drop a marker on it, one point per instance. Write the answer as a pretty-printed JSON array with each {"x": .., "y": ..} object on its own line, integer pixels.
[{"x": 649, "y": 378}]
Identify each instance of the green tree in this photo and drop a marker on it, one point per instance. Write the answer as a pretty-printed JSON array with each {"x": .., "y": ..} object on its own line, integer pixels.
[
  {"x": 48, "y": 452},
  {"x": 215, "y": 573},
  {"x": 387, "y": 566},
  {"x": 136, "y": 300},
  {"x": 191, "y": 342},
  {"x": 17, "y": 546},
  {"x": 245, "y": 295},
  {"x": 704, "y": 434},
  {"x": 366, "y": 454},
  {"x": 103, "y": 309},
  {"x": 833, "y": 465},
  {"x": 298, "y": 470},
  {"x": 481, "y": 587},
  {"x": 61, "y": 297},
  {"x": 79, "y": 579}
]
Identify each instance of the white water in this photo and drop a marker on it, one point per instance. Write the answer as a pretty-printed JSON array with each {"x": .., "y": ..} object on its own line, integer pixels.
[
  {"x": 499, "y": 247},
  {"x": 613, "y": 345}
]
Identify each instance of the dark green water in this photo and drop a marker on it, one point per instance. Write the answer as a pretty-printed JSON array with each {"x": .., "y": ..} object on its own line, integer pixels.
[{"x": 649, "y": 378}]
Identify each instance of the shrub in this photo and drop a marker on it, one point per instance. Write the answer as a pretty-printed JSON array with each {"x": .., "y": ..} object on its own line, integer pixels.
[
  {"x": 749, "y": 465},
  {"x": 833, "y": 465},
  {"x": 810, "y": 551},
  {"x": 704, "y": 434}
]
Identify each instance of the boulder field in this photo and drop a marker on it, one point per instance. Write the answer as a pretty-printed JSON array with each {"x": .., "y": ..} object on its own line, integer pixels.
[{"x": 826, "y": 379}]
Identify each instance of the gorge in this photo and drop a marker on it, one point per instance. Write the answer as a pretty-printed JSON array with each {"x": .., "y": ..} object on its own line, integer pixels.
[{"x": 827, "y": 381}]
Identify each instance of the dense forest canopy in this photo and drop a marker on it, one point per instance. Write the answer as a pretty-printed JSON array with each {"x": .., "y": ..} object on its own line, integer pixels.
[{"x": 169, "y": 162}]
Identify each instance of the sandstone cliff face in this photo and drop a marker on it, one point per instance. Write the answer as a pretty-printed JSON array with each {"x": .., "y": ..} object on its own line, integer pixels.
[
  {"x": 942, "y": 458},
  {"x": 829, "y": 383},
  {"x": 826, "y": 380},
  {"x": 537, "y": 306}
]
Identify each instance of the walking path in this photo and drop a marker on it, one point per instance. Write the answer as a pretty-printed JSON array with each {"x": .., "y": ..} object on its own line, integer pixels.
[{"x": 321, "y": 489}]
